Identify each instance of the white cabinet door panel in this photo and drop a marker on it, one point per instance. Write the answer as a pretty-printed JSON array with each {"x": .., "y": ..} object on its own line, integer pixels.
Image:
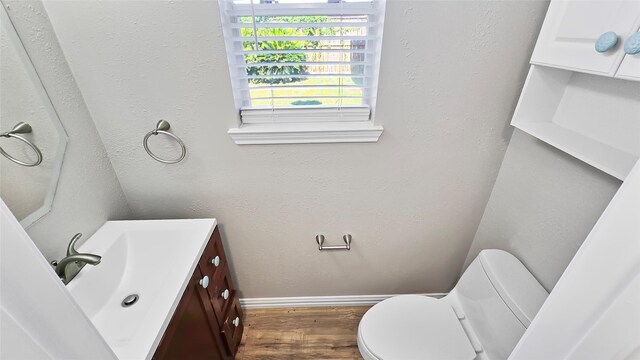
[
  {"x": 571, "y": 28},
  {"x": 630, "y": 67}
]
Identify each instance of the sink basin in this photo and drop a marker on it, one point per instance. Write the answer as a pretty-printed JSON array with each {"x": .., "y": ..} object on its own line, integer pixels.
[{"x": 151, "y": 258}]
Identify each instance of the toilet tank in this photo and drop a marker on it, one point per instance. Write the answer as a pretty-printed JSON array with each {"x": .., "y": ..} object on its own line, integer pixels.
[{"x": 497, "y": 297}]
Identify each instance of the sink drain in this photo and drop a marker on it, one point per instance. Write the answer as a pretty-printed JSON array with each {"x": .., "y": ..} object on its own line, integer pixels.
[{"x": 130, "y": 300}]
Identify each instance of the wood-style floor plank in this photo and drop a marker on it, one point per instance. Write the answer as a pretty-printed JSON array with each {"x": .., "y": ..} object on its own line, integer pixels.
[{"x": 324, "y": 333}]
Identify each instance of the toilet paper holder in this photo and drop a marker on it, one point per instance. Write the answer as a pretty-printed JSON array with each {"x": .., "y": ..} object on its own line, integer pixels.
[{"x": 347, "y": 240}]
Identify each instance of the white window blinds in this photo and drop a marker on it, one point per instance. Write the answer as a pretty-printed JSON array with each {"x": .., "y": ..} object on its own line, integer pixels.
[{"x": 303, "y": 60}]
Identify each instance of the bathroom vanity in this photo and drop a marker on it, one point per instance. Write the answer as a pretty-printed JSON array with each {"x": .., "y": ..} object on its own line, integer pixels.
[
  {"x": 208, "y": 320},
  {"x": 162, "y": 290}
]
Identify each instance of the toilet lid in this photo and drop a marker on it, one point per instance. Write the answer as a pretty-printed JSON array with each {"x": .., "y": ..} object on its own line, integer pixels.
[{"x": 411, "y": 327}]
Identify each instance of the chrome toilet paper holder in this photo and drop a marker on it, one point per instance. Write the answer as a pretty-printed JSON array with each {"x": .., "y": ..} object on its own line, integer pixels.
[{"x": 347, "y": 240}]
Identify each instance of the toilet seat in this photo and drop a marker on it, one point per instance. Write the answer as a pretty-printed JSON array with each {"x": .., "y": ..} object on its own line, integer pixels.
[{"x": 412, "y": 327}]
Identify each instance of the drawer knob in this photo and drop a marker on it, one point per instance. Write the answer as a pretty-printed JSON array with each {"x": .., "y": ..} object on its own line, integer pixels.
[
  {"x": 215, "y": 261},
  {"x": 236, "y": 321},
  {"x": 632, "y": 46},
  {"x": 225, "y": 294},
  {"x": 606, "y": 42},
  {"x": 204, "y": 282}
]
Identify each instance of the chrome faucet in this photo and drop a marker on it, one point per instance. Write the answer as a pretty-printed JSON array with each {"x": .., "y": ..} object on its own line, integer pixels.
[
  {"x": 79, "y": 260},
  {"x": 71, "y": 248}
]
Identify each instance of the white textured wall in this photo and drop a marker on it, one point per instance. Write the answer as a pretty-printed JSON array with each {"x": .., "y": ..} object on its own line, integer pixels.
[
  {"x": 543, "y": 206},
  {"x": 598, "y": 296},
  {"x": 88, "y": 193},
  {"x": 450, "y": 77}
]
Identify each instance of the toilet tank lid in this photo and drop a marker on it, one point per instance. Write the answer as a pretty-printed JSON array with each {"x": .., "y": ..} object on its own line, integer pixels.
[{"x": 514, "y": 283}]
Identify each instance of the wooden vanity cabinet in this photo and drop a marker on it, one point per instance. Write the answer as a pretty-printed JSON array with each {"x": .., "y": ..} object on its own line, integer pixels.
[{"x": 207, "y": 324}]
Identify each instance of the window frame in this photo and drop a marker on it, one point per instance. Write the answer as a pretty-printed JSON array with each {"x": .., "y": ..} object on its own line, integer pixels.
[{"x": 304, "y": 125}]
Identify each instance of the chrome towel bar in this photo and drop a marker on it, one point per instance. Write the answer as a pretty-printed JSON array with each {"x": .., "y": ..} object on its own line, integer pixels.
[
  {"x": 21, "y": 128},
  {"x": 346, "y": 238},
  {"x": 162, "y": 127}
]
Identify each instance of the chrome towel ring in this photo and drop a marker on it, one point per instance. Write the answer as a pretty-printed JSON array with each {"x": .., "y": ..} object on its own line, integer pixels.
[
  {"x": 162, "y": 127},
  {"x": 21, "y": 128}
]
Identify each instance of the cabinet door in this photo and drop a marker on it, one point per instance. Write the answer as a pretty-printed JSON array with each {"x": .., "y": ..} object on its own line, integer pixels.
[
  {"x": 571, "y": 28},
  {"x": 630, "y": 67},
  {"x": 192, "y": 333},
  {"x": 233, "y": 325}
]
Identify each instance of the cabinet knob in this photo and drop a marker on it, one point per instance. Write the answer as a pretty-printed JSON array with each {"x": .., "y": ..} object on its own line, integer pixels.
[
  {"x": 632, "y": 45},
  {"x": 606, "y": 42},
  {"x": 236, "y": 321},
  {"x": 204, "y": 282},
  {"x": 215, "y": 261},
  {"x": 225, "y": 294}
]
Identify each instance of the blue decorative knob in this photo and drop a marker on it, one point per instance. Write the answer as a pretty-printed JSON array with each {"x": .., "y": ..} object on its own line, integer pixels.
[
  {"x": 606, "y": 42},
  {"x": 632, "y": 46}
]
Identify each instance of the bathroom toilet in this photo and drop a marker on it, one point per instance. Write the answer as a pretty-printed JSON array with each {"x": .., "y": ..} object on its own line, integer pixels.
[{"x": 482, "y": 318}]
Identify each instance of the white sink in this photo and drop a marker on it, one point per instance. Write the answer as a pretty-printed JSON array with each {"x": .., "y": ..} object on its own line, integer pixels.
[{"x": 151, "y": 258}]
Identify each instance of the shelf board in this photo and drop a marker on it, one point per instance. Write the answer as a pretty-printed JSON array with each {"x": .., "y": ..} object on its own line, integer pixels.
[{"x": 613, "y": 161}]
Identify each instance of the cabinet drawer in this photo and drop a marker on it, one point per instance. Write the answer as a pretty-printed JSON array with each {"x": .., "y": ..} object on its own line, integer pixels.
[
  {"x": 220, "y": 293},
  {"x": 213, "y": 259},
  {"x": 233, "y": 325}
]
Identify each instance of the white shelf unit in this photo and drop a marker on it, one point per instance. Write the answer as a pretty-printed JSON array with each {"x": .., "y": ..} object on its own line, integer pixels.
[{"x": 593, "y": 118}]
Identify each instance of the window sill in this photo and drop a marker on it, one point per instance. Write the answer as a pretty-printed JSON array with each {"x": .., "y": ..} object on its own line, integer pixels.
[{"x": 306, "y": 133}]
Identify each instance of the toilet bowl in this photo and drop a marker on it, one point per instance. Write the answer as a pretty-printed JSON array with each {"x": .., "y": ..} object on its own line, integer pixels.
[{"x": 482, "y": 318}]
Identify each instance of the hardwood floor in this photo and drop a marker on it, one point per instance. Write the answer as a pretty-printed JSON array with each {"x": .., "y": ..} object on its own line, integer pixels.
[{"x": 327, "y": 333}]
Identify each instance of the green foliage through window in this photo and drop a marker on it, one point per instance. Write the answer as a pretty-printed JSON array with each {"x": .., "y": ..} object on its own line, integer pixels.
[{"x": 285, "y": 73}]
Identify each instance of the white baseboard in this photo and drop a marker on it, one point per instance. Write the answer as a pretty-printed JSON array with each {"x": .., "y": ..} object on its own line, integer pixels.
[{"x": 318, "y": 301}]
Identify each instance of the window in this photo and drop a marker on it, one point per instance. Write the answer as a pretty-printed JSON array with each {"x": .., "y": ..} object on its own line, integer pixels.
[{"x": 308, "y": 65}]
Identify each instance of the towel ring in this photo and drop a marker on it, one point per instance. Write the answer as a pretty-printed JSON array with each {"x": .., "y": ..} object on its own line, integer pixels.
[
  {"x": 21, "y": 128},
  {"x": 161, "y": 128}
]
